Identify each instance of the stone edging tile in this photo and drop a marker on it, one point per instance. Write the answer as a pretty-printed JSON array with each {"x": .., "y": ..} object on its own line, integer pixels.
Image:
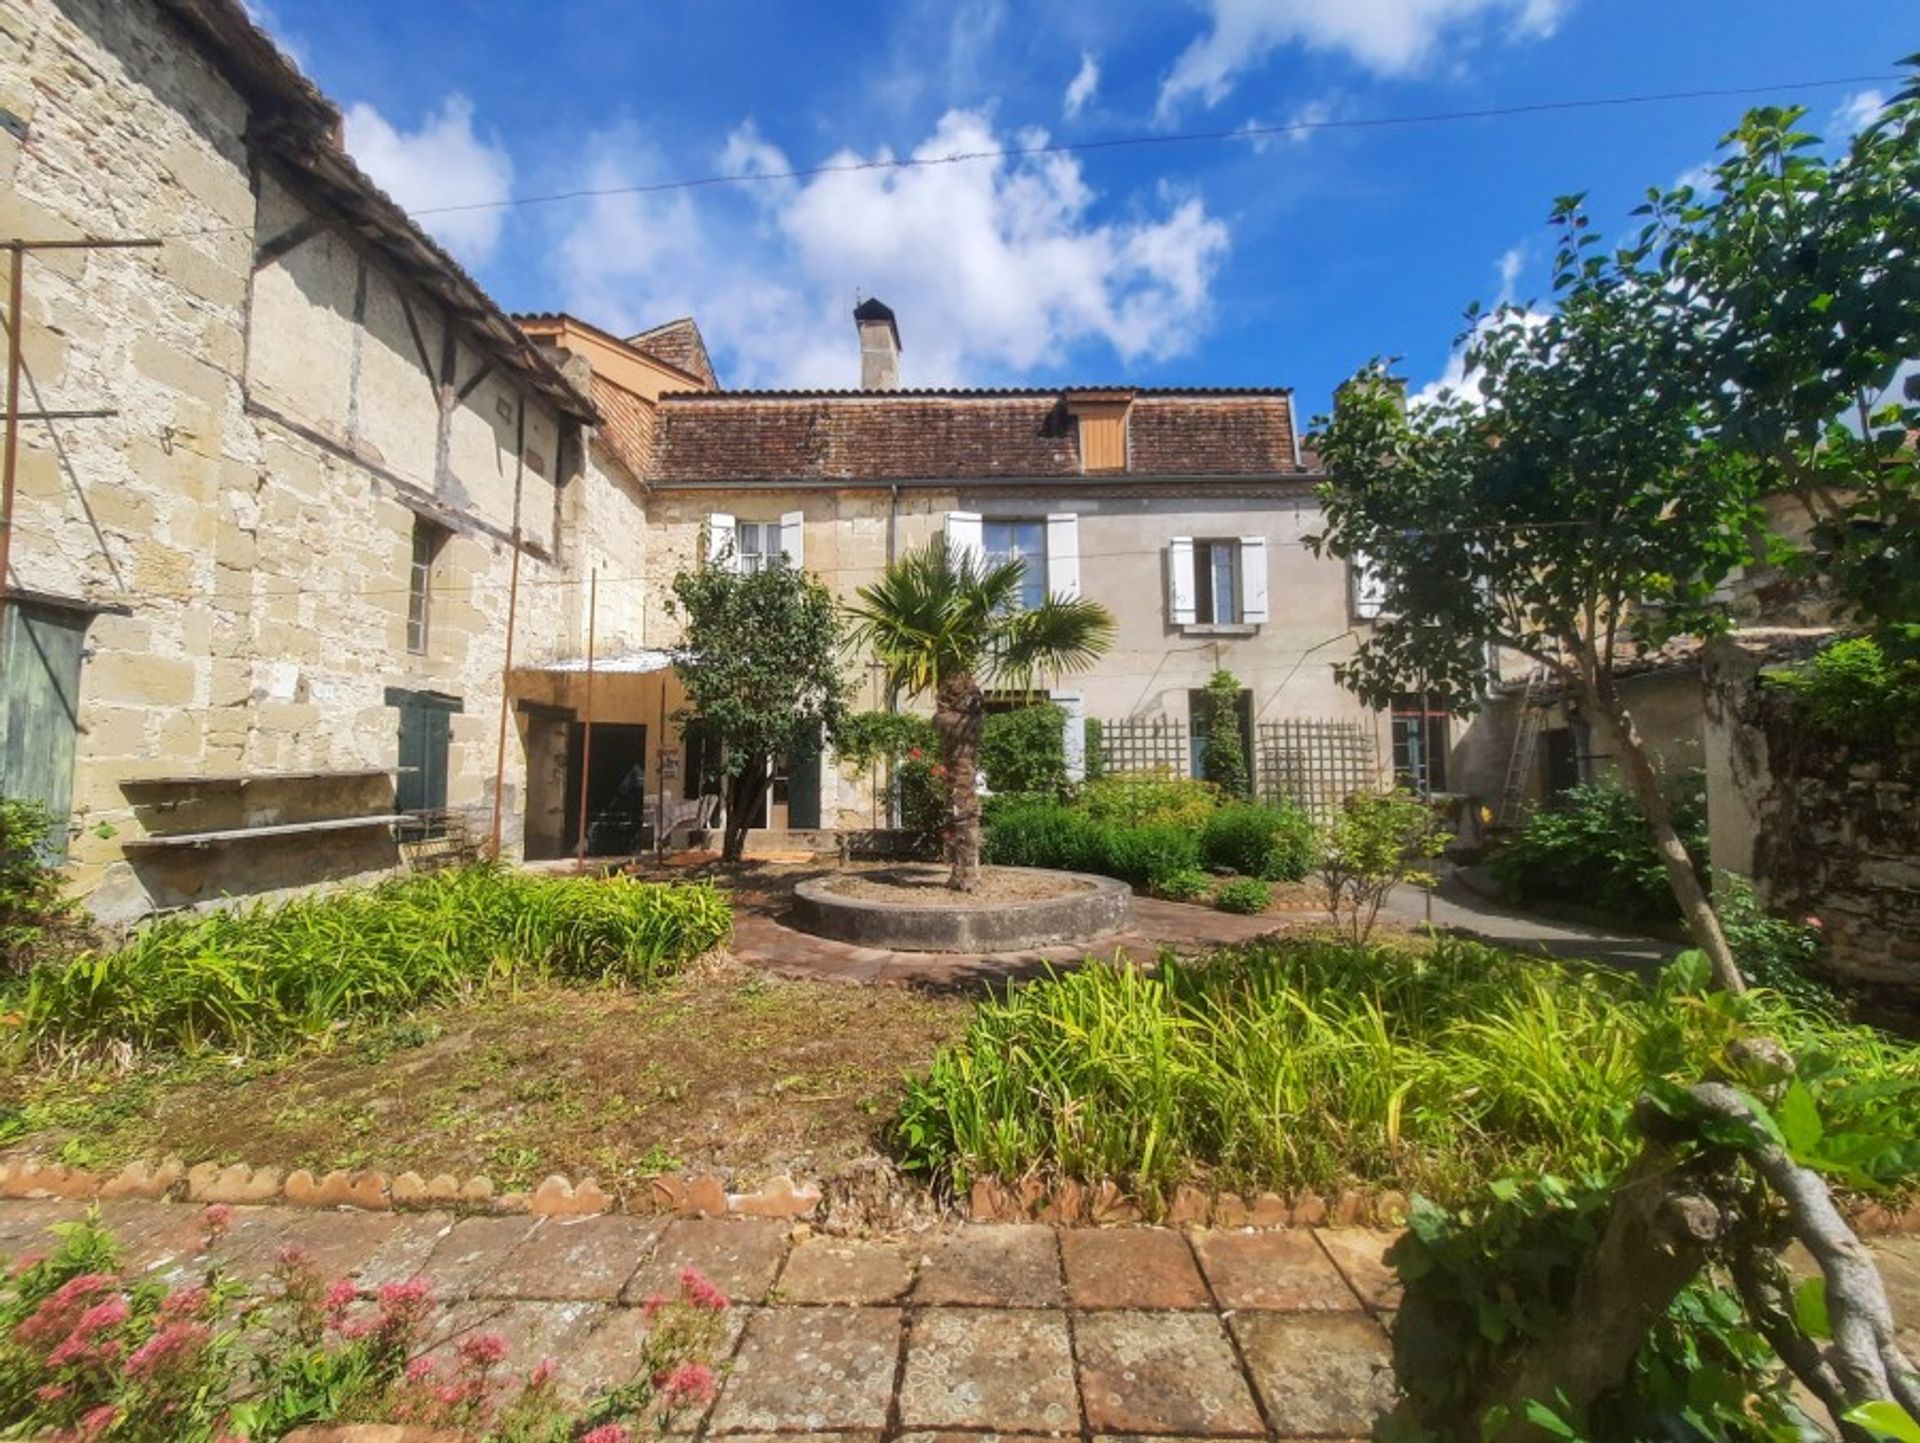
[{"x": 706, "y": 1195}]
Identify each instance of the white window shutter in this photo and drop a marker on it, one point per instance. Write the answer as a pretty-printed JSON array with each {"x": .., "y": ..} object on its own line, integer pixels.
[
  {"x": 965, "y": 538},
  {"x": 1369, "y": 588},
  {"x": 793, "y": 538},
  {"x": 720, "y": 538},
  {"x": 1063, "y": 557},
  {"x": 1253, "y": 578},
  {"x": 1180, "y": 581}
]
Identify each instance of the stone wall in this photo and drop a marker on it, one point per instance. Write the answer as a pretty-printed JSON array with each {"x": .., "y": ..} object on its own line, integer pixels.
[
  {"x": 1825, "y": 827},
  {"x": 242, "y": 526}
]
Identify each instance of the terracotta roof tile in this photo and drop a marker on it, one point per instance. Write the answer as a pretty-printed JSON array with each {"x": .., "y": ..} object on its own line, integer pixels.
[
  {"x": 925, "y": 435},
  {"x": 679, "y": 344}
]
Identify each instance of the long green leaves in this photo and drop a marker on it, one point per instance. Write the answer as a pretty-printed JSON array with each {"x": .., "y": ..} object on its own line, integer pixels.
[
  {"x": 263, "y": 974},
  {"x": 1314, "y": 1064}
]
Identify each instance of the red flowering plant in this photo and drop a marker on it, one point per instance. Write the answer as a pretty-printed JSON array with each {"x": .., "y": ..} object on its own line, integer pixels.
[
  {"x": 87, "y": 1354},
  {"x": 675, "y": 1379}
]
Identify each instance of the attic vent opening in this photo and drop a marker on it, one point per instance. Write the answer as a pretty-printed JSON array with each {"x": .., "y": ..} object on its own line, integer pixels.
[{"x": 1100, "y": 417}]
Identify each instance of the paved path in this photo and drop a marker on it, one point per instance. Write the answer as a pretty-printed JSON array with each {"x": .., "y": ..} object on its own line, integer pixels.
[
  {"x": 973, "y": 1330},
  {"x": 1457, "y": 907}
]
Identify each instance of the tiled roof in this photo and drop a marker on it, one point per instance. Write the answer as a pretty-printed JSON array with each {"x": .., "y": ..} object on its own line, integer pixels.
[
  {"x": 679, "y": 344},
  {"x": 928, "y": 435}
]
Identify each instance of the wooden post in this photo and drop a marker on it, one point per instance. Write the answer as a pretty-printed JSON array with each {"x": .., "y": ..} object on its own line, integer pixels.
[
  {"x": 17, "y": 255},
  {"x": 506, "y": 681},
  {"x": 586, "y": 730}
]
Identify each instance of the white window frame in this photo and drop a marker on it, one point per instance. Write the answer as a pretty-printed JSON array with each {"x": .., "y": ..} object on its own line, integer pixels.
[{"x": 1043, "y": 557}]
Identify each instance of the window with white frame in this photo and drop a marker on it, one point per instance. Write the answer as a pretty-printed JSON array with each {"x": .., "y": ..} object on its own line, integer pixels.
[
  {"x": 748, "y": 546},
  {"x": 1023, "y": 540},
  {"x": 1217, "y": 581}
]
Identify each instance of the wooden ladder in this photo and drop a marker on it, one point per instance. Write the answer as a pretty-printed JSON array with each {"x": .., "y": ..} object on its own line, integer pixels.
[{"x": 1526, "y": 741}]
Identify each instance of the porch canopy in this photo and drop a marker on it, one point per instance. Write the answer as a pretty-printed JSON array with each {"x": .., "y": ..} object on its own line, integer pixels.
[{"x": 619, "y": 663}]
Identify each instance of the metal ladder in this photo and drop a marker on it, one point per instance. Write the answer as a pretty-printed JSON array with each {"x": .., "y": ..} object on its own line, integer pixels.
[{"x": 1526, "y": 741}]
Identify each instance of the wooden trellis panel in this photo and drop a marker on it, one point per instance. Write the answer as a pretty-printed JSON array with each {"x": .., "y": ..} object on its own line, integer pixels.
[
  {"x": 1315, "y": 763},
  {"x": 1145, "y": 744}
]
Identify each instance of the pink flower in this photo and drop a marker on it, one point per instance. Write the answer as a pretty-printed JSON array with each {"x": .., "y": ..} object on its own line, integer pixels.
[
  {"x": 168, "y": 1348},
  {"x": 99, "y": 1420},
  {"x": 606, "y": 1433},
  {"x": 52, "y": 1392},
  {"x": 419, "y": 1370},
  {"x": 56, "y": 1315},
  {"x": 483, "y": 1350},
  {"x": 410, "y": 1296},
  {"x": 1815, "y": 923},
  {"x": 650, "y": 1307},
  {"x": 26, "y": 1263},
  {"x": 697, "y": 1289},
  {"x": 688, "y": 1383},
  {"x": 79, "y": 1344},
  {"x": 218, "y": 1217},
  {"x": 293, "y": 1258},
  {"x": 339, "y": 1296},
  {"x": 542, "y": 1373},
  {"x": 188, "y": 1302}
]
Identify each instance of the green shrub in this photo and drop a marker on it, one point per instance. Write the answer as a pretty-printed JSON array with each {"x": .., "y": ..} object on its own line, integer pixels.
[
  {"x": 262, "y": 975},
  {"x": 1590, "y": 844},
  {"x": 923, "y": 795},
  {"x": 1139, "y": 854},
  {"x": 1186, "y": 885},
  {"x": 1096, "y": 750},
  {"x": 36, "y": 919},
  {"x": 1137, "y": 798},
  {"x": 1248, "y": 896},
  {"x": 1274, "y": 842},
  {"x": 874, "y": 738},
  {"x": 1772, "y": 951},
  {"x": 1025, "y": 750},
  {"x": 1046, "y": 834},
  {"x": 1309, "y": 1063},
  {"x": 1223, "y": 758},
  {"x": 1379, "y": 841},
  {"x": 1853, "y": 691}
]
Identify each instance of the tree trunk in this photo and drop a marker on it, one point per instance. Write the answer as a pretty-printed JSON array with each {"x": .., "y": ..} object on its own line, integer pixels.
[
  {"x": 959, "y": 713},
  {"x": 1695, "y": 907},
  {"x": 744, "y": 794}
]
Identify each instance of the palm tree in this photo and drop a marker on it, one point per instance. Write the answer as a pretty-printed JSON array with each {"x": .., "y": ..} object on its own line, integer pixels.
[{"x": 945, "y": 624}]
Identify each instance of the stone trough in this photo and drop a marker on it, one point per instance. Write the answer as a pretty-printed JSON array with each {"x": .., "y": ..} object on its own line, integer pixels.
[{"x": 1095, "y": 907}]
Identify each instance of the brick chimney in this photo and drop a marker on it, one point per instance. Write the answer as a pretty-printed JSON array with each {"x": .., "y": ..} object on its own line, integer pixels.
[{"x": 879, "y": 346}]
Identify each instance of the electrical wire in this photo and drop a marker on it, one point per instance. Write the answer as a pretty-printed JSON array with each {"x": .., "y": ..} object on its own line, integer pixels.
[{"x": 1119, "y": 142}]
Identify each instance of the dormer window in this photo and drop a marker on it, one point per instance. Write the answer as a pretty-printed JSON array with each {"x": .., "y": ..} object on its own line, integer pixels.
[{"x": 1100, "y": 417}]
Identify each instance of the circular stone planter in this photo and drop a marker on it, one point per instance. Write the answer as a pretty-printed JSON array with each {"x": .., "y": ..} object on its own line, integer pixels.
[{"x": 1098, "y": 905}]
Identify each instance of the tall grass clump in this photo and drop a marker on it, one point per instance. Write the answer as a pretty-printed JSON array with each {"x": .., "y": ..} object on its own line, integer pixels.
[
  {"x": 1312, "y": 1063},
  {"x": 261, "y": 975}
]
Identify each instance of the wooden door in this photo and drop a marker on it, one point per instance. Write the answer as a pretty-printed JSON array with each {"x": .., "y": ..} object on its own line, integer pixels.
[{"x": 40, "y": 710}]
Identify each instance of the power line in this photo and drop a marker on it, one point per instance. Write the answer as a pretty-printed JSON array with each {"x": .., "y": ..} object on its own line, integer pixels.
[
  {"x": 1118, "y": 142},
  {"x": 1185, "y": 137}
]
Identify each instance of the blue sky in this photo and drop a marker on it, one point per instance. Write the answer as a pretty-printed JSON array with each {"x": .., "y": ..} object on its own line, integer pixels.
[{"x": 1286, "y": 260}]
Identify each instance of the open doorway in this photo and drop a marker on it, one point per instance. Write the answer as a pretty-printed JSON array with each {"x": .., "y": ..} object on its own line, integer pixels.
[{"x": 616, "y": 789}]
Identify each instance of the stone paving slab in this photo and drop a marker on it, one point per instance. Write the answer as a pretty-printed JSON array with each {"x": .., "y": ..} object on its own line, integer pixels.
[
  {"x": 1003, "y": 1368},
  {"x": 1012, "y": 1265},
  {"x": 968, "y": 1332},
  {"x": 812, "y": 1370},
  {"x": 1131, "y": 1268},
  {"x": 847, "y": 1270},
  {"x": 1156, "y": 1372}
]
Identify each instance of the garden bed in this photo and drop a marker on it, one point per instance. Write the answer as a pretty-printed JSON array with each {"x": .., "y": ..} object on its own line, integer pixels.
[
  {"x": 722, "y": 1070},
  {"x": 927, "y": 886}
]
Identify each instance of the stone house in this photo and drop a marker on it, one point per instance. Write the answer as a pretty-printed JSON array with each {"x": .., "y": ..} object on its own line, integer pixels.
[
  {"x": 319, "y": 561},
  {"x": 1182, "y": 510},
  {"x": 265, "y": 603}
]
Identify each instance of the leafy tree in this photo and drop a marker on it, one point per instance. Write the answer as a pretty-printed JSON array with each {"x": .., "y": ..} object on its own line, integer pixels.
[
  {"x": 1794, "y": 300},
  {"x": 760, "y": 660},
  {"x": 1224, "y": 761},
  {"x": 945, "y": 624},
  {"x": 1567, "y": 509},
  {"x": 1379, "y": 840}
]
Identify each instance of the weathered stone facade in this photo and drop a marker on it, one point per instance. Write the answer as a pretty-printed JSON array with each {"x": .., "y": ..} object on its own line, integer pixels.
[
  {"x": 289, "y": 409},
  {"x": 1826, "y": 827}
]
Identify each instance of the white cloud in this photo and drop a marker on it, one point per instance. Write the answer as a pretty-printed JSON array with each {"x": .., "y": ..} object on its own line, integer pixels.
[
  {"x": 995, "y": 267},
  {"x": 441, "y": 164},
  {"x": 1391, "y": 37},
  {"x": 1080, "y": 89},
  {"x": 1455, "y": 376},
  {"x": 1857, "y": 111},
  {"x": 1297, "y": 129}
]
